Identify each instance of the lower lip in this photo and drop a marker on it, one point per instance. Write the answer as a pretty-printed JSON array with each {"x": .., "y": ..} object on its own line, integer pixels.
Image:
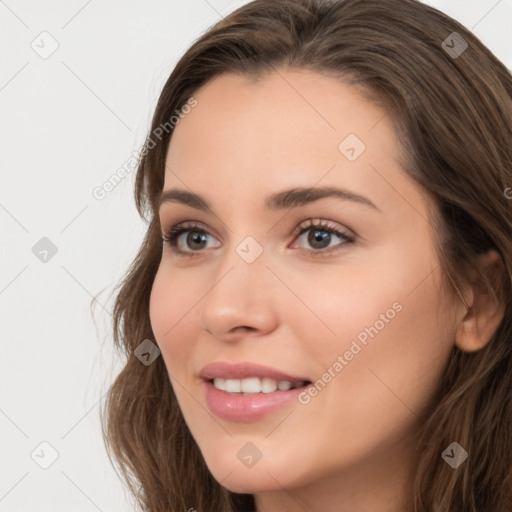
[{"x": 236, "y": 407}]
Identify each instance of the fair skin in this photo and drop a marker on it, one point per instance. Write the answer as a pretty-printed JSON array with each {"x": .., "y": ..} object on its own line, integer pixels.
[{"x": 349, "y": 449}]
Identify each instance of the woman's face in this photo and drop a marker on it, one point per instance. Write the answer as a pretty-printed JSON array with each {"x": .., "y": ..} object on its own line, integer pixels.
[{"x": 365, "y": 324}]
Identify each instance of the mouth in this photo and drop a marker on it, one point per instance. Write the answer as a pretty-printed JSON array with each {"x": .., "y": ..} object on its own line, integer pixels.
[{"x": 248, "y": 392}]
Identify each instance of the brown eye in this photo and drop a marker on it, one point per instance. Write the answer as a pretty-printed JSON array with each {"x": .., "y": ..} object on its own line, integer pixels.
[
  {"x": 319, "y": 237},
  {"x": 194, "y": 241}
]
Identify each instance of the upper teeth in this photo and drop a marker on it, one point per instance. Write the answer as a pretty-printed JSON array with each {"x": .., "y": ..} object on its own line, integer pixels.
[{"x": 254, "y": 385}]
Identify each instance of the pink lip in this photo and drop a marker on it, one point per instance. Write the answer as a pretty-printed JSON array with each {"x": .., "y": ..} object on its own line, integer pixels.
[{"x": 245, "y": 408}]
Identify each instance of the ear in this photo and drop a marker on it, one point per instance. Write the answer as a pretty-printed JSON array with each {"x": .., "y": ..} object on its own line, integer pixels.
[{"x": 480, "y": 323}]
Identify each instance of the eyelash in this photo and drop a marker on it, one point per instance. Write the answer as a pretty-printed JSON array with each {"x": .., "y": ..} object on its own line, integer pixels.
[{"x": 172, "y": 235}]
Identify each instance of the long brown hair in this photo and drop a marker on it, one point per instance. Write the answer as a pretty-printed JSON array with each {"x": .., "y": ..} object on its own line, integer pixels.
[{"x": 453, "y": 114}]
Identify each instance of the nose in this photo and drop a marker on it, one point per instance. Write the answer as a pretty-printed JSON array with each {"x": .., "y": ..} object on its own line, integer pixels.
[{"x": 242, "y": 300}]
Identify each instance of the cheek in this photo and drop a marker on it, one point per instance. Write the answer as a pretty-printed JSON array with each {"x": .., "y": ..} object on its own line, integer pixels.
[
  {"x": 394, "y": 340},
  {"x": 392, "y": 330},
  {"x": 391, "y": 305},
  {"x": 172, "y": 302}
]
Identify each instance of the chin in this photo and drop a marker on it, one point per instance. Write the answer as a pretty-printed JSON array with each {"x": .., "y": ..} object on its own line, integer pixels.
[
  {"x": 266, "y": 474},
  {"x": 248, "y": 481}
]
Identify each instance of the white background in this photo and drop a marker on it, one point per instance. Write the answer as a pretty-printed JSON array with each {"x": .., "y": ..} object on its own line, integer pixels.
[{"x": 67, "y": 123}]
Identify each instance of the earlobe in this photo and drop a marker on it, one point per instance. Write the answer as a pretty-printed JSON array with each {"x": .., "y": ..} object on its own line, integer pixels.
[{"x": 481, "y": 322}]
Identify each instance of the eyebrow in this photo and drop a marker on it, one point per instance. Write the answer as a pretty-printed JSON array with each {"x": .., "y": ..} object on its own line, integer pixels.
[{"x": 291, "y": 198}]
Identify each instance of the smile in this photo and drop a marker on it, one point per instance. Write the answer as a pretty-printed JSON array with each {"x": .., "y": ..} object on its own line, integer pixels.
[{"x": 253, "y": 385}]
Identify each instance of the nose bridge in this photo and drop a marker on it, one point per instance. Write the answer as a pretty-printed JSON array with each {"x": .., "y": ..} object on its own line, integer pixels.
[
  {"x": 244, "y": 259},
  {"x": 240, "y": 295}
]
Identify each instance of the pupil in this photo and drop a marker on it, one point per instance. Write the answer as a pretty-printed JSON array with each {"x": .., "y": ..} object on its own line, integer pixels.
[
  {"x": 197, "y": 237},
  {"x": 314, "y": 237}
]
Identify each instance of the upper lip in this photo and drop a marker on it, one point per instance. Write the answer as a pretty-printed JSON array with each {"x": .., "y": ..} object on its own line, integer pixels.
[{"x": 244, "y": 370}]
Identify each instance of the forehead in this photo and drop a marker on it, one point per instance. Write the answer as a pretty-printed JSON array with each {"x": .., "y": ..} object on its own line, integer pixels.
[
  {"x": 286, "y": 128},
  {"x": 280, "y": 107}
]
